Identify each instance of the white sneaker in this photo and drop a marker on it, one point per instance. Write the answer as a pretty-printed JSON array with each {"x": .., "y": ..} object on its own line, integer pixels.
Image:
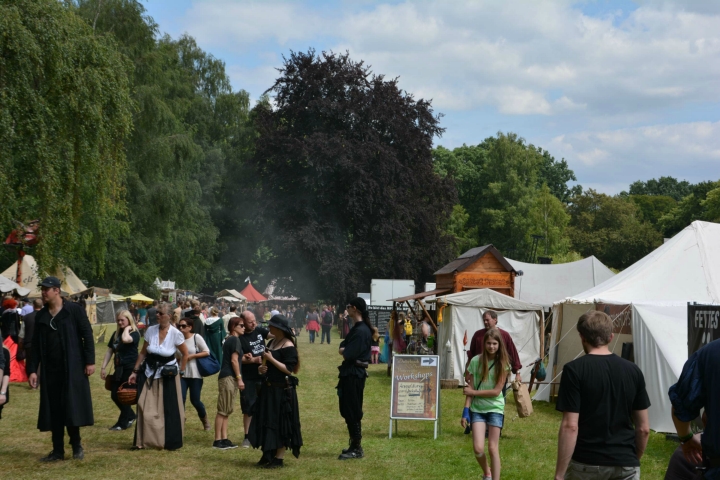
[
  {"x": 487, "y": 477},
  {"x": 246, "y": 444}
]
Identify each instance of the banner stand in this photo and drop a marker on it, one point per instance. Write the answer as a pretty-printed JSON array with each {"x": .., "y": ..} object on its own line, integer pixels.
[{"x": 415, "y": 390}]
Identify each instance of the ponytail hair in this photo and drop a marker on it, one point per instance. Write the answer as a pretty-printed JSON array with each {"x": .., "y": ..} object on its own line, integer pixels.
[{"x": 360, "y": 304}]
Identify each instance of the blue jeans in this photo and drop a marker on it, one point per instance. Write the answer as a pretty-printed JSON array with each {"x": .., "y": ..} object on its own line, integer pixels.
[
  {"x": 325, "y": 333},
  {"x": 492, "y": 419},
  {"x": 312, "y": 336},
  {"x": 195, "y": 386}
]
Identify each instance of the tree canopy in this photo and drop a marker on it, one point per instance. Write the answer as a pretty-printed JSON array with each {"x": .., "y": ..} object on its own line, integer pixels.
[{"x": 345, "y": 163}]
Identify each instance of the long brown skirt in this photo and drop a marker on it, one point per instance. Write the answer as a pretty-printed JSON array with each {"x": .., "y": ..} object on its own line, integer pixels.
[{"x": 160, "y": 415}]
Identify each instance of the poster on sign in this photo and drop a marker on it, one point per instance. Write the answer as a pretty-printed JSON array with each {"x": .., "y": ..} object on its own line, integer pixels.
[
  {"x": 703, "y": 325},
  {"x": 415, "y": 390}
]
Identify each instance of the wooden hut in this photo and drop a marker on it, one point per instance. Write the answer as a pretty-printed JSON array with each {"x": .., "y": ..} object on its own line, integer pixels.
[{"x": 480, "y": 267}]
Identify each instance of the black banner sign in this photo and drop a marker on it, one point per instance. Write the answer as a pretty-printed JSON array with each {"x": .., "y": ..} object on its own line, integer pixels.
[{"x": 703, "y": 326}]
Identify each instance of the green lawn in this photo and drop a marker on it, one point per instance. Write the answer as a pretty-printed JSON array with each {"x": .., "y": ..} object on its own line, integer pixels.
[{"x": 527, "y": 448}]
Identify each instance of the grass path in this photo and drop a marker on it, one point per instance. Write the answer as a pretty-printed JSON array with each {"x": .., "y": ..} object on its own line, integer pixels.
[{"x": 527, "y": 448}]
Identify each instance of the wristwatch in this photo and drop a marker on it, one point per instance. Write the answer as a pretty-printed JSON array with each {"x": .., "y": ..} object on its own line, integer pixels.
[{"x": 3, "y": 393}]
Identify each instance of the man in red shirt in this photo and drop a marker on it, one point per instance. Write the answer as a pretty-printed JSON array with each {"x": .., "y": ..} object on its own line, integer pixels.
[{"x": 476, "y": 344}]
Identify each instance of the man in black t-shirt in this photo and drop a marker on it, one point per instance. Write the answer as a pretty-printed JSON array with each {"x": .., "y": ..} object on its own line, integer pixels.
[
  {"x": 253, "y": 344},
  {"x": 605, "y": 426}
]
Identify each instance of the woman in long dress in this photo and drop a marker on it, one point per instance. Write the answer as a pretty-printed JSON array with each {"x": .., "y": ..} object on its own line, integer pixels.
[
  {"x": 215, "y": 334},
  {"x": 160, "y": 413},
  {"x": 275, "y": 424}
]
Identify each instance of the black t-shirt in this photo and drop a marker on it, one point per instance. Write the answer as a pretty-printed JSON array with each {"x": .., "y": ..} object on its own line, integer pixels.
[
  {"x": 232, "y": 344},
  {"x": 604, "y": 390},
  {"x": 125, "y": 353},
  {"x": 253, "y": 342},
  {"x": 152, "y": 316}
]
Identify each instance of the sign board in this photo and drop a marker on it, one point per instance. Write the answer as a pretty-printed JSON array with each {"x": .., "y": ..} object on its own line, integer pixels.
[
  {"x": 415, "y": 391},
  {"x": 621, "y": 316},
  {"x": 703, "y": 326},
  {"x": 381, "y": 290}
]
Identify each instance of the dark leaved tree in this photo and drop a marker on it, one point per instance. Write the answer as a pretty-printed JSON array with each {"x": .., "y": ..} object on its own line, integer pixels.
[{"x": 345, "y": 163}]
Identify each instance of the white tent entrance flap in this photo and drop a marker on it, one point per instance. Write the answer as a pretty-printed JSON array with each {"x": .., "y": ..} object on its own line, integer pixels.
[{"x": 464, "y": 312}]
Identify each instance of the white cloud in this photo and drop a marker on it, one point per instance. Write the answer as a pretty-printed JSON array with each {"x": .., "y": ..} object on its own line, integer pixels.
[{"x": 687, "y": 150}]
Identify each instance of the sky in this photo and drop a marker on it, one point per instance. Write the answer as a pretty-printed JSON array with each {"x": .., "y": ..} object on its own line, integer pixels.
[{"x": 623, "y": 90}]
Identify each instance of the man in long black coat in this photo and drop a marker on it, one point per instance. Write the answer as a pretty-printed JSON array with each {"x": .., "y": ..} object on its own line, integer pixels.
[{"x": 63, "y": 347}]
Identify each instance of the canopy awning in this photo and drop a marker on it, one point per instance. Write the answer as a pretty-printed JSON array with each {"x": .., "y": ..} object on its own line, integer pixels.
[
  {"x": 252, "y": 295},
  {"x": 437, "y": 291},
  {"x": 139, "y": 297}
]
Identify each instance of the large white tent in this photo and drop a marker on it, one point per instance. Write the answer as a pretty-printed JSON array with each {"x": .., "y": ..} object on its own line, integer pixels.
[
  {"x": 463, "y": 314},
  {"x": 648, "y": 298},
  {"x": 546, "y": 284}
]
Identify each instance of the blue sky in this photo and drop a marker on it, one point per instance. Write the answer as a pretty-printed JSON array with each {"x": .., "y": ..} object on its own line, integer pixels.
[{"x": 623, "y": 90}]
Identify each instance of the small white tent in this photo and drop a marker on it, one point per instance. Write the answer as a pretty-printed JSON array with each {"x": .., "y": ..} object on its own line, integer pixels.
[
  {"x": 546, "y": 284},
  {"x": 463, "y": 313},
  {"x": 647, "y": 299},
  {"x": 7, "y": 285}
]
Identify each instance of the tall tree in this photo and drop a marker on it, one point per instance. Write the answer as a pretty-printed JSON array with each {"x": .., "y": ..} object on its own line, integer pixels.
[
  {"x": 550, "y": 219},
  {"x": 610, "y": 228},
  {"x": 700, "y": 204},
  {"x": 667, "y": 186},
  {"x": 345, "y": 163},
  {"x": 65, "y": 112}
]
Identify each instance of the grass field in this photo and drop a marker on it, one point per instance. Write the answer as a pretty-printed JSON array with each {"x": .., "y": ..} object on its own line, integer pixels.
[{"x": 527, "y": 448}]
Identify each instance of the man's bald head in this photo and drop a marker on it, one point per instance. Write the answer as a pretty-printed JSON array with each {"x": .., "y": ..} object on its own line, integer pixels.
[{"x": 249, "y": 321}]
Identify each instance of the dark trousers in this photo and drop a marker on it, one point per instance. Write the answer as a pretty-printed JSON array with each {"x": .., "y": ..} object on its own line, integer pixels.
[
  {"x": 350, "y": 395},
  {"x": 54, "y": 384},
  {"x": 326, "y": 333},
  {"x": 195, "y": 385},
  {"x": 126, "y": 411}
]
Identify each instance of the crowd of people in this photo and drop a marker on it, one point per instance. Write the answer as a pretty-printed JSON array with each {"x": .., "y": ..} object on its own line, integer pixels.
[{"x": 603, "y": 399}]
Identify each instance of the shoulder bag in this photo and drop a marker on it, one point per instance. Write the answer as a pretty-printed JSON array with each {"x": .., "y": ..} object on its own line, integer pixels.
[{"x": 207, "y": 366}]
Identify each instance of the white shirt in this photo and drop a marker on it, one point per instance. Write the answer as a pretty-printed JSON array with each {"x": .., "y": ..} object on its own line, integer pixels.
[
  {"x": 274, "y": 312},
  {"x": 191, "y": 370},
  {"x": 173, "y": 339},
  {"x": 226, "y": 319}
]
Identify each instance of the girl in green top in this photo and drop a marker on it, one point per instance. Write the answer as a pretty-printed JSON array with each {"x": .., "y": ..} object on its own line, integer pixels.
[{"x": 484, "y": 401}]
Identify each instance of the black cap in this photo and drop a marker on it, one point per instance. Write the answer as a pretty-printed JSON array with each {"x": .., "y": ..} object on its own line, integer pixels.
[
  {"x": 50, "y": 282},
  {"x": 281, "y": 323}
]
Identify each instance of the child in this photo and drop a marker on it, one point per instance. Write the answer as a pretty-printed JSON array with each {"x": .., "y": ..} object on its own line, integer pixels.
[
  {"x": 375, "y": 345},
  {"x": 484, "y": 402}
]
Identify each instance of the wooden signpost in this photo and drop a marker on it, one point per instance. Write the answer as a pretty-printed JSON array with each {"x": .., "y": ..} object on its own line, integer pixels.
[{"x": 415, "y": 392}]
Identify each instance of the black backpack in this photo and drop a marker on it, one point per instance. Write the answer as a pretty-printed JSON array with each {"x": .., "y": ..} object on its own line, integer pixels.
[{"x": 327, "y": 318}]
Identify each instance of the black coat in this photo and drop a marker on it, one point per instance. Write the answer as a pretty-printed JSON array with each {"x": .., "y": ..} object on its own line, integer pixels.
[{"x": 78, "y": 345}]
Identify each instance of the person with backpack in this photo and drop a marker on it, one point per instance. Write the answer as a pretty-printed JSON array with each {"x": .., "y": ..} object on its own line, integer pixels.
[
  {"x": 192, "y": 380},
  {"x": 327, "y": 323},
  {"x": 484, "y": 400}
]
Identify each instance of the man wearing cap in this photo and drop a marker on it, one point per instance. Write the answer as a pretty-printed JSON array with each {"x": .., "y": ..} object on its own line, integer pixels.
[{"x": 63, "y": 349}]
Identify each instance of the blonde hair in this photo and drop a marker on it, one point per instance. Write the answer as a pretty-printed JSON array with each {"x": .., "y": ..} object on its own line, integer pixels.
[
  {"x": 375, "y": 335},
  {"x": 502, "y": 359},
  {"x": 131, "y": 321},
  {"x": 214, "y": 311}
]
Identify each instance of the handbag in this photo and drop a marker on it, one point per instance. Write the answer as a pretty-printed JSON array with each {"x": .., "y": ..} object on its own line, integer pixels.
[
  {"x": 206, "y": 366},
  {"x": 109, "y": 380},
  {"x": 127, "y": 394},
  {"x": 523, "y": 403},
  {"x": 169, "y": 370}
]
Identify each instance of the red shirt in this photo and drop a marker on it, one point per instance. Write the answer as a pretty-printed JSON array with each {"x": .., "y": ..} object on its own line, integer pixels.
[{"x": 476, "y": 348}]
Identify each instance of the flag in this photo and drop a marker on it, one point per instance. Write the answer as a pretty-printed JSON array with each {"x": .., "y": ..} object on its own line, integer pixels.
[
  {"x": 465, "y": 339},
  {"x": 247, "y": 279}
]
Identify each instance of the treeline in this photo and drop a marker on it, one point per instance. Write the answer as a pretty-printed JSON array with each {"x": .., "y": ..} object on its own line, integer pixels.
[
  {"x": 510, "y": 190},
  {"x": 143, "y": 162}
]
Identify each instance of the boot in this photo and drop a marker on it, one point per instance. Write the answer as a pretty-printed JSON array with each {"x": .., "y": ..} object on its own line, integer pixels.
[
  {"x": 206, "y": 424},
  {"x": 355, "y": 451},
  {"x": 346, "y": 450}
]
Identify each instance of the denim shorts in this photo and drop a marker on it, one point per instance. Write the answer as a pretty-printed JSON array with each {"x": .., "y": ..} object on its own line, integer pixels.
[{"x": 492, "y": 419}]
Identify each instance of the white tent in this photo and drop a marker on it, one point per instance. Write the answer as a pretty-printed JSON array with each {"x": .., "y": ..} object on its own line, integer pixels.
[
  {"x": 69, "y": 282},
  {"x": 229, "y": 292},
  {"x": 464, "y": 314},
  {"x": 547, "y": 284},
  {"x": 647, "y": 297},
  {"x": 7, "y": 285}
]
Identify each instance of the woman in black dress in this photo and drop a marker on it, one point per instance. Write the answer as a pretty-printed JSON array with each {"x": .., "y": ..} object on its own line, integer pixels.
[{"x": 275, "y": 424}]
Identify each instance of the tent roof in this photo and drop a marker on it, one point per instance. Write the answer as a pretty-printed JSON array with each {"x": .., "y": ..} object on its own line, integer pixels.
[
  {"x": 547, "y": 284},
  {"x": 139, "y": 297},
  {"x": 685, "y": 268},
  {"x": 229, "y": 292},
  {"x": 486, "y": 298},
  {"x": 7, "y": 285},
  {"x": 251, "y": 294},
  {"x": 164, "y": 284},
  {"x": 69, "y": 282},
  {"x": 469, "y": 257}
]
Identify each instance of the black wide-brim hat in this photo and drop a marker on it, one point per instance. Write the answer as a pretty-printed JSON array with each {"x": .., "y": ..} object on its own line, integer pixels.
[{"x": 281, "y": 323}]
